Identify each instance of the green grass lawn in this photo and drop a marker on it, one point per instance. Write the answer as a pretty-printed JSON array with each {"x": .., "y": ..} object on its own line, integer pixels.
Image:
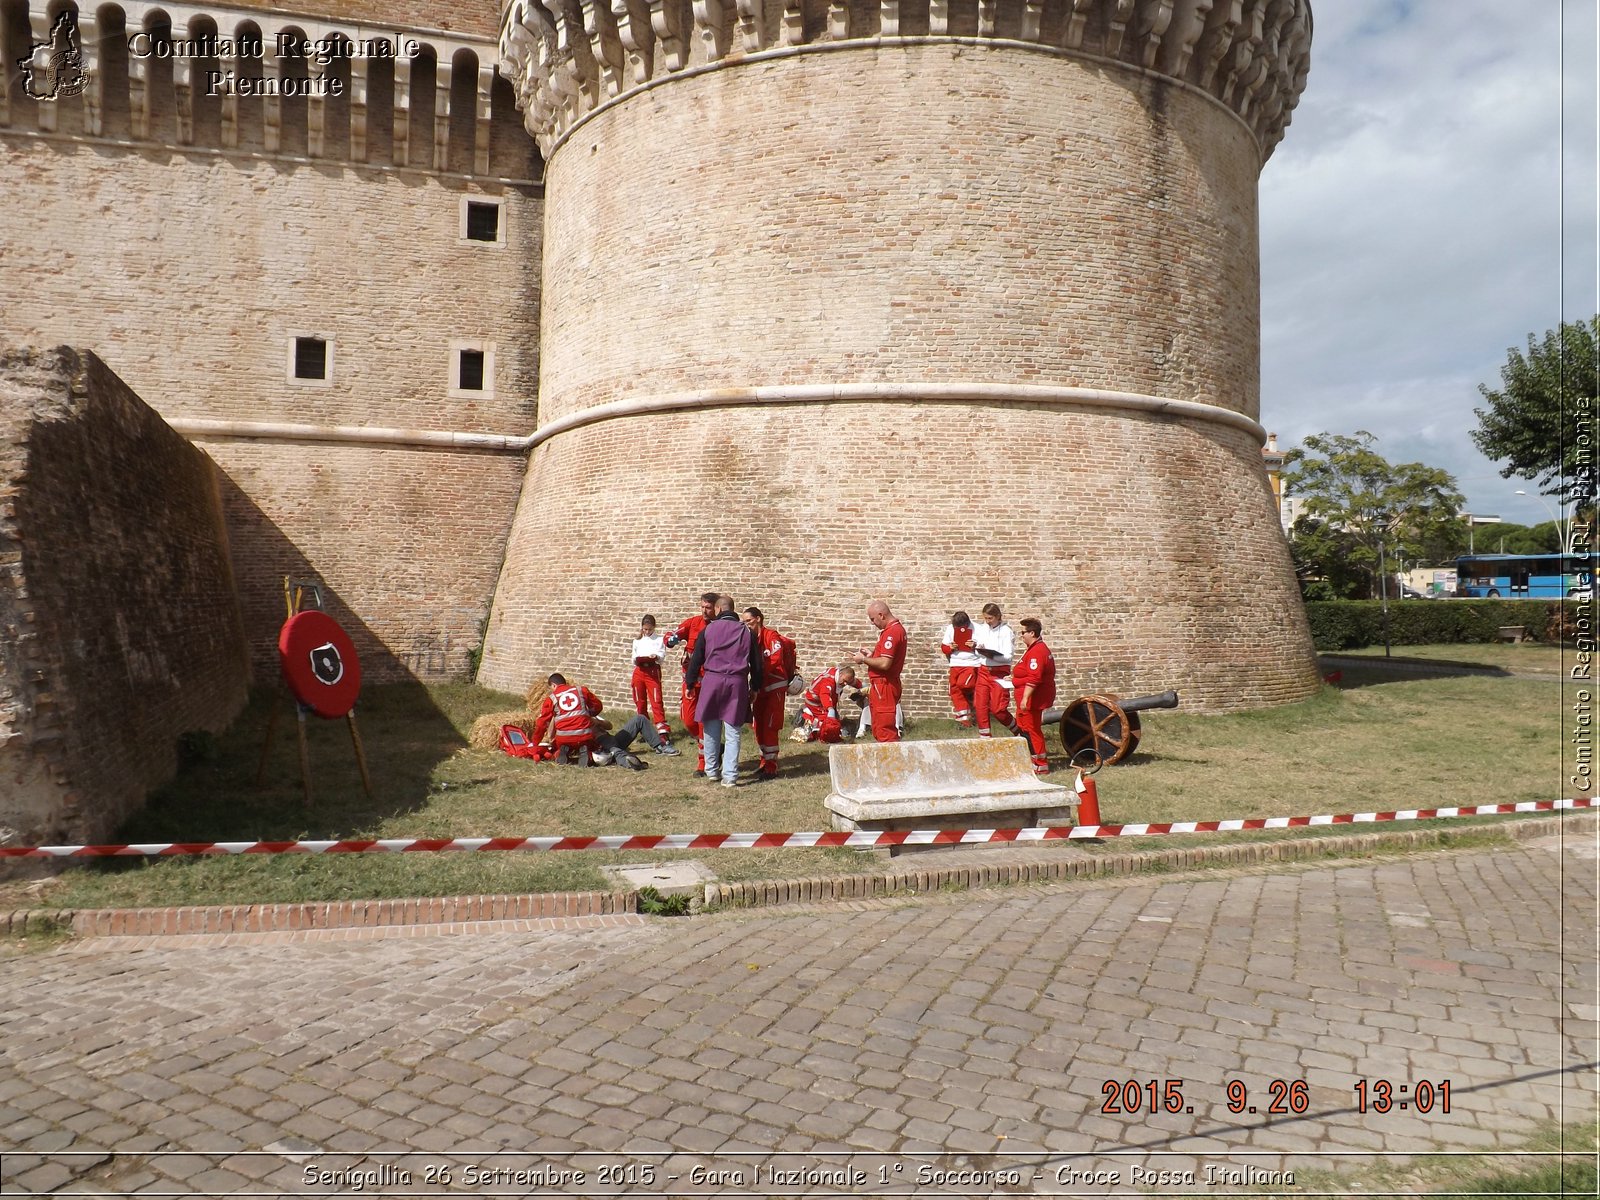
[
  {"x": 1564, "y": 1165},
  {"x": 1366, "y": 745},
  {"x": 1537, "y": 657}
]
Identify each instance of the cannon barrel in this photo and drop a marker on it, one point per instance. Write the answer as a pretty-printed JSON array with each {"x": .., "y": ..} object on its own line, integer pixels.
[{"x": 1167, "y": 699}]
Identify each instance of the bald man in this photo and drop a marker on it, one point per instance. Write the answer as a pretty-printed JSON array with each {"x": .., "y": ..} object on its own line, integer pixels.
[{"x": 884, "y": 664}]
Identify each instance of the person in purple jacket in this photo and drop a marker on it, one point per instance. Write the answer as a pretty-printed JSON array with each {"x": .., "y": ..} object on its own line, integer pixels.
[{"x": 727, "y": 663}]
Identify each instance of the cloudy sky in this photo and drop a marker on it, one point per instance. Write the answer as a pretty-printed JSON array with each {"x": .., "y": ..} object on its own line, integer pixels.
[{"x": 1412, "y": 225}]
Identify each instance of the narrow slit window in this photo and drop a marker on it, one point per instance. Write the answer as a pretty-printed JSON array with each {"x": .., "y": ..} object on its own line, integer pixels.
[{"x": 469, "y": 371}]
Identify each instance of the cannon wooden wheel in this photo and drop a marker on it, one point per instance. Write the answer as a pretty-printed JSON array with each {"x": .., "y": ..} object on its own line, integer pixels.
[{"x": 1100, "y": 725}]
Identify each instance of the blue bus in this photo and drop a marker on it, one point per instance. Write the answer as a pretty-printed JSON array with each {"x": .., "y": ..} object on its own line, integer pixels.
[{"x": 1525, "y": 576}]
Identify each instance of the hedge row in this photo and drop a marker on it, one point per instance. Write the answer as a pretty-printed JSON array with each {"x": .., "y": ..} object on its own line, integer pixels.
[{"x": 1351, "y": 624}]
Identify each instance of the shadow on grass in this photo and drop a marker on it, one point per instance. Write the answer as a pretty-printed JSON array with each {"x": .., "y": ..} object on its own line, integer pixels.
[
  {"x": 215, "y": 797},
  {"x": 1346, "y": 672}
]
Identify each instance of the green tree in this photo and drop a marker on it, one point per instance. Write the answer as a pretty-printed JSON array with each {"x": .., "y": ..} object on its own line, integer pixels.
[
  {"x": 1546, "y": 401},
  {"x": 1516, "y": 539},
  {"x": 1324, "y": 561},
  {"x": 1356, "y": 503}
]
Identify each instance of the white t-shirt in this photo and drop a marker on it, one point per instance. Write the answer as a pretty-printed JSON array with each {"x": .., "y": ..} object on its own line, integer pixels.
[
  {"x": 961, "y": 658},
  {"x": 649, "y": 647},
  {"x": 998, "y": 637}
]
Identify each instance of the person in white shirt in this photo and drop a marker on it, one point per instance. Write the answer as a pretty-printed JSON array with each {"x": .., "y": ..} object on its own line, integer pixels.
[
  {"x": 993, "y": 641},
  {"x": 959, "y": 648},
  {"x": 648, "y": 651}
]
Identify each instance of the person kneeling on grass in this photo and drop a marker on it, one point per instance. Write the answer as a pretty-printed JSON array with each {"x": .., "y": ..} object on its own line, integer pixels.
[
  {"x": 818, "y": 719},
  {"x": 582, "y": 736}
]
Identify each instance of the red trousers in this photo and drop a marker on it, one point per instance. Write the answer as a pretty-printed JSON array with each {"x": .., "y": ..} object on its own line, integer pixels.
[
  {"x": 992, "y": 701},
  {"x": 1028, "y": 722},
  {"x": 766, "y": 714},
  {"x": 686, "y": 709},
  {"x": 647, "y": 698},
  {"x": 963, "y": 682},
  {"x": 883, "y": 699}
]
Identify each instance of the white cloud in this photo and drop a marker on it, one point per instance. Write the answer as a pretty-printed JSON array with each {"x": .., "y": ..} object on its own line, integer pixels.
[{"x": 1412, "y": 222}]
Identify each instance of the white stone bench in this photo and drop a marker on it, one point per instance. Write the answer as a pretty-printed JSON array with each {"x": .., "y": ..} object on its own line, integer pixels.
[{"x": 965, "y": 783}]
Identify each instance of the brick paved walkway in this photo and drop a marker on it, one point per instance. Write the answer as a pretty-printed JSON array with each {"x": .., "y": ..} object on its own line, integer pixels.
[{"x": 966, "y": 1035}]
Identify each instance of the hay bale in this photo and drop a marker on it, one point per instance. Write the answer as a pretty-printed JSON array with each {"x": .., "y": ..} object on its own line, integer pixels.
[
  {"x": 537, "y": 691},
  {"x": 485, "y": 732}
]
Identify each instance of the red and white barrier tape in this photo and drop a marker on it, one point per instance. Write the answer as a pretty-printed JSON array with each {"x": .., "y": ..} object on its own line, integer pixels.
[{"x": 779, "y": 841}]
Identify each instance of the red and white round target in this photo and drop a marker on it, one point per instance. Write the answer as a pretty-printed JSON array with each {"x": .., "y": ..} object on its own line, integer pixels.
[{"x": 319, "y": 663}]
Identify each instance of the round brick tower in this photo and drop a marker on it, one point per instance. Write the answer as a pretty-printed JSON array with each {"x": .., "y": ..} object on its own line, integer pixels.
[{"x": 941, "y": 301}]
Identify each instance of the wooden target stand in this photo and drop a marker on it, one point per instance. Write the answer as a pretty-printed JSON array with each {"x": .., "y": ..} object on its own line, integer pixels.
[{"x": 321, "y": 674}]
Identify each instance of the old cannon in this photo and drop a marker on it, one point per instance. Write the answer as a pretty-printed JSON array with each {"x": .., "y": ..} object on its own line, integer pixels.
[{"x": 1104, "y": 726}]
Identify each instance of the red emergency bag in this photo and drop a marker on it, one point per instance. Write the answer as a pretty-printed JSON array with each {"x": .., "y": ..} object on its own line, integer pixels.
[{"x": 514, "y": 741}]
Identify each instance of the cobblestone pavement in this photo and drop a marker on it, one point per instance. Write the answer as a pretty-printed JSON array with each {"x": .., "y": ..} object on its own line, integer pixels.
[{"x": 957, "y": 1044}]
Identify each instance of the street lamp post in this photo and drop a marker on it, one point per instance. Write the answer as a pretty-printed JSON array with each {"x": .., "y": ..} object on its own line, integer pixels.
[
  {"x": 1383, "y": 592},
  {"x": 1559, "y": 520},
  {"x": 1473, "y": 519}
]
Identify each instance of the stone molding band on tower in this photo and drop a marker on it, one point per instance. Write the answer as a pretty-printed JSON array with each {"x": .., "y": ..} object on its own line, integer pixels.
[
  {"x": 569, "y": 58},
  {"x": 203, "y": 429},
  {"x": 900, "y": 393},
  {"x": 713, "y": 398}
]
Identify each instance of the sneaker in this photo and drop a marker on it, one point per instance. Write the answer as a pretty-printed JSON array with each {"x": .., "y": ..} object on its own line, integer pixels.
[
  {"x": 664, "y": 748},
  {"x": 730, "y": 783}
]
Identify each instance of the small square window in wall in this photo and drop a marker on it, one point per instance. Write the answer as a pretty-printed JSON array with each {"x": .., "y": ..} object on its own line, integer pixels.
[
  {"x": 471, "y": 369},
  {"x": 310, "y": 359},
  {"x": 483, "y": 221}
]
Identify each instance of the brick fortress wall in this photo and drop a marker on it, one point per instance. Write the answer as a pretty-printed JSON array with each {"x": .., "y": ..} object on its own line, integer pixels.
[
  {"x": 119, "y": 629},
  {"x": 909, "y": 214},
  {"x": 190, "y": 265}
]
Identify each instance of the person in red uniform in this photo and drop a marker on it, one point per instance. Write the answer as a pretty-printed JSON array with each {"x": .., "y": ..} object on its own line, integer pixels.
[
  {"x": 581, "y": 735},
  {"x": 819, "y": 707},
  {"x": 992, "y": 696},
  {"x": 574, "y": 711},
  {"x": 648, "y": 651},
  {"x": 959, "y": 648},
  {"x": 884, "y": 664},
  {"x": 686, "y": 635},
  {"x": 1034, "y": 679},
  {"x": 772, "y": 693}
]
